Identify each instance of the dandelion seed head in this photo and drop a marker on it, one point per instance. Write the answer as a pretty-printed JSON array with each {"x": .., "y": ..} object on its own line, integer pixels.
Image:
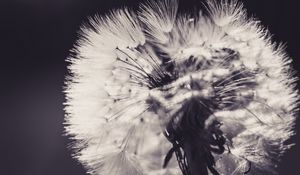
[{"x": 149, "y": 84}]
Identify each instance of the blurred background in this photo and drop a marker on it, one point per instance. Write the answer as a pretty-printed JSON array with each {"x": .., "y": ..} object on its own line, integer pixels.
[{"x": 36, "y": 36}]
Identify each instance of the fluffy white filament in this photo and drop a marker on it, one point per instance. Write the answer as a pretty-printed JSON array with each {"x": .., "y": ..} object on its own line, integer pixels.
[{"x": 107, "y": 113}]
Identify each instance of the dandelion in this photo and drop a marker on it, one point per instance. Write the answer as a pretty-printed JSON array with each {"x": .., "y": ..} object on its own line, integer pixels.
[{"x": 157, "y": 92}]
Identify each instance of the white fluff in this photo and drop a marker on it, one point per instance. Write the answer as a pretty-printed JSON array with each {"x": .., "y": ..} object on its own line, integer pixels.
[{"x": 104, "y": 106}]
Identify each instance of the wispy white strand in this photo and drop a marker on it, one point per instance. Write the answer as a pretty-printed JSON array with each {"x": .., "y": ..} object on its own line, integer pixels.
[{"x": 159, "y": 18}]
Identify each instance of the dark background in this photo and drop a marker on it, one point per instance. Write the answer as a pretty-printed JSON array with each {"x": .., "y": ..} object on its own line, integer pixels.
[{"x": 36, "y": 36}]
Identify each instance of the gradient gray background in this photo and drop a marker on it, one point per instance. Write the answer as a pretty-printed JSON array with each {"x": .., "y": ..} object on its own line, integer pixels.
[{"x": 35, "y": 38}]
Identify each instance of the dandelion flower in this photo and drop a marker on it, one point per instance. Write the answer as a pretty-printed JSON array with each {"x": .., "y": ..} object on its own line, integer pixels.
[{"x": 158, "y": 92}]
